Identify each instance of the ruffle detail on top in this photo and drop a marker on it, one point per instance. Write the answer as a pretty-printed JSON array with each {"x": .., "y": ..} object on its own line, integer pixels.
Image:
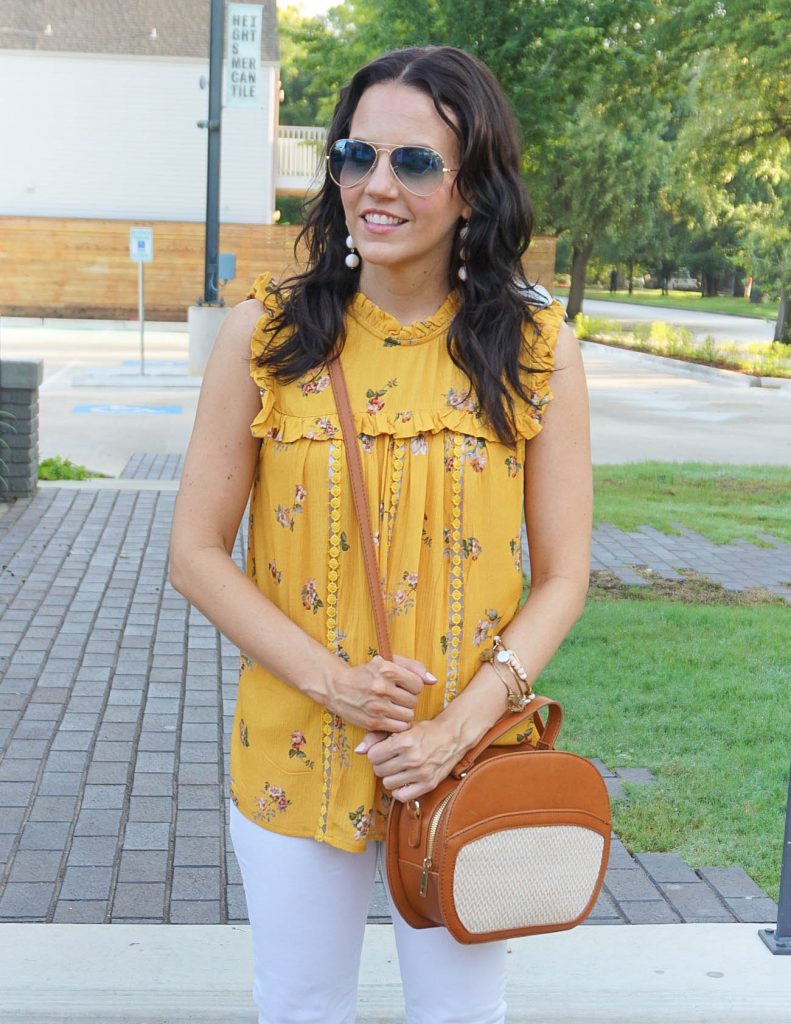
[
  {"x": 284, "y": 427},
  {"x": 263, "y": 289},
  {"x": 385, "y": 326}
]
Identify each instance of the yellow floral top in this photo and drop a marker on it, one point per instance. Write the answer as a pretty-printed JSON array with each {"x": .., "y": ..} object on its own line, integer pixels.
[{"x": 446, "y": 499}]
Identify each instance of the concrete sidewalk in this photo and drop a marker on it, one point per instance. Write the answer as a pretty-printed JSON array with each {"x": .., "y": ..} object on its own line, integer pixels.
[{"x": 697, "y": 974}]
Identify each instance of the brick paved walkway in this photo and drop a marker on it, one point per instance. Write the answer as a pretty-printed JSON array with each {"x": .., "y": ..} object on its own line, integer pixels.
[{"x": 116, "y": 699}]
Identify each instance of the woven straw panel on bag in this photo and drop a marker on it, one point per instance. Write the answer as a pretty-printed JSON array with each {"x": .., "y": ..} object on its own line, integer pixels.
[{"x": 543, "y": 875}]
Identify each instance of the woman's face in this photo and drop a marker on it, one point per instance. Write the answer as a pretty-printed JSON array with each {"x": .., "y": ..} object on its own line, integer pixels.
[{"x": 391, "y": 227}]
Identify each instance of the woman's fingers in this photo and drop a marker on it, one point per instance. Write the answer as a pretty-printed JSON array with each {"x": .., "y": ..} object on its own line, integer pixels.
[
  {"x": 370, "y": 740},
  {"x": 415, "y": 666}
]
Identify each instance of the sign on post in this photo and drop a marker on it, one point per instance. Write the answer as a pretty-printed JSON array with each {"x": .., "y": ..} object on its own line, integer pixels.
[
  {"x": 141, "y": 250},
  {"x": 141, "y": 245},
  {"x": 243, "y": 56}
]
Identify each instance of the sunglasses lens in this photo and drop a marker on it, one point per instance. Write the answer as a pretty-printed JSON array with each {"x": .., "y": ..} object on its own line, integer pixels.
[
  {"x": 350, "y": 161},
  {"x": 417, "y": 168}
]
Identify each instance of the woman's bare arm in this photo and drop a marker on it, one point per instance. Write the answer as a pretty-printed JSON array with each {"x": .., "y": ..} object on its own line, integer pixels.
[
  {"x": 558, "y": 508},
  {"x": 218, "y": 472}
]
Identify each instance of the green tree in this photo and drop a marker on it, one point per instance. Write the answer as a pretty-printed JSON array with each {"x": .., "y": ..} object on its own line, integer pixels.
[{"x": 741, "y": 132}]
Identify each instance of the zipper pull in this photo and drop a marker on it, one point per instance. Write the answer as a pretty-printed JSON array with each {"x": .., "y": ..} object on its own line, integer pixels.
[{"x": 424, "y": 877}]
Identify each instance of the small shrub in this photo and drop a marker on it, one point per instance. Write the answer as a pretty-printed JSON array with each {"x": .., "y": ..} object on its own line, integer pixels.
[
  {"x": 58, "y": 468},
  {"x": 591, "y": 326}
]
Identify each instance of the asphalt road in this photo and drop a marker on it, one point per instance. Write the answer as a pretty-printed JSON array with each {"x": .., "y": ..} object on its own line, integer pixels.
[{"x": 639, "y": 410}]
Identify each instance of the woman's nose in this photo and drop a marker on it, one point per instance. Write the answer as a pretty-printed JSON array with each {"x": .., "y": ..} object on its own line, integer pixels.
[{"x": 381, "y": 180}]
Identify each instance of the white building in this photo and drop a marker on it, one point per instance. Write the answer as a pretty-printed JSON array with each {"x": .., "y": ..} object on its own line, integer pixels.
[{"x": 99, "y": 104}]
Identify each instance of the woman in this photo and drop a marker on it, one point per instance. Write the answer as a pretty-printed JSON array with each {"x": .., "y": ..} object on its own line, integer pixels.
[{"x": 414, "y": 275}]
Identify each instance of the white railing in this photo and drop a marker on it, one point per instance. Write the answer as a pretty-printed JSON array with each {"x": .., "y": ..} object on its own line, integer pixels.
[{"x": 300, "y": 157}]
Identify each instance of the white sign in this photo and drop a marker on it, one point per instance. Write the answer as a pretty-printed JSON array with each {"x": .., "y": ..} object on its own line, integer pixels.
[
  {"x": 141, "y": 244},
  {"x": 243, "y": 56}
]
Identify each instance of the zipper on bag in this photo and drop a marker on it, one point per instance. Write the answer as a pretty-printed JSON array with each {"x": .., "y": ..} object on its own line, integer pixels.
[{"x": 432, "y": 835}]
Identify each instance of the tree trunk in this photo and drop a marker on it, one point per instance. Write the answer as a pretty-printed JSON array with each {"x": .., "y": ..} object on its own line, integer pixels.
[
  {"x": 783, "y": 322},
  {"x": 630, "y": 265},
  {"x": 580, "y": 254}
]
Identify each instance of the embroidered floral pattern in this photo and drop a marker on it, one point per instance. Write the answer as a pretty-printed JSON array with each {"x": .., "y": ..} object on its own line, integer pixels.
[
  {"x": 376, "y": 398},
  {"x": 418, "y": 445},
  {"x": 402, "y": 599},
  {"x": 424, "y": 537},
  {"x": 537, "y": 403},
  {"x": 284, "y": 514},
  {"x": 298, "y": 742},
  {"x": 310, "y": 597},
  {"x": 456, "y": 400},
  {"x": 243, "y": 735},
  {"x": 513, "y": 465},
  {"x": 326, "y": 432},
  {"x": 314, "y": 385},
  {"x": 367, "y": 442},
  {"x": 474, "y": 450},
  {"x": 340, "y": 650},
  {"x": 341, "y": 747},
  {"x": 245, "y": 662},
  {"x": 277, "y": 575},
  {"x": 486, "y": 626},
  {"x": 273, "y": 801},
  {"x": 472, "y": 548},
  {"x": 362, "y": 822},
  {"x": 527, "y": 735}
]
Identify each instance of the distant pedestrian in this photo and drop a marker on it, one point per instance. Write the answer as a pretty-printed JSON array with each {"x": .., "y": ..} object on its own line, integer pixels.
[
  {"x": 469, "y": 405},
  {"x": 613, "y": 281}
]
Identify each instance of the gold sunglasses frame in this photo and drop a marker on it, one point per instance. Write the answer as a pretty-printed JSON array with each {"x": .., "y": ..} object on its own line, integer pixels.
[{"x": 389, "y": 150}]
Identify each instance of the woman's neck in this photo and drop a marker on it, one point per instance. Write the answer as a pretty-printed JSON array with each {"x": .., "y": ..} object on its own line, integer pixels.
[{"x": 408, "y": 296}]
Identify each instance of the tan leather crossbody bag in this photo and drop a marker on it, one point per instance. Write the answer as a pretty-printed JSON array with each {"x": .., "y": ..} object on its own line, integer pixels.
[{"x": 516, "y": 840}]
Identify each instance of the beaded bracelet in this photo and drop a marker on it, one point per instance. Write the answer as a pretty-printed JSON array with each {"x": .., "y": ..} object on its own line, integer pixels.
[
  {"x": 502, "y": 655},
  {"x": 516, "y": 701}
]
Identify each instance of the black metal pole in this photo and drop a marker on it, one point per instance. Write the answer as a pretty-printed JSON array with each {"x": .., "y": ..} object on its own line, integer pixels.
[
  {"x": 212, "y": 248},
  {"x": 779, "y": 939}
]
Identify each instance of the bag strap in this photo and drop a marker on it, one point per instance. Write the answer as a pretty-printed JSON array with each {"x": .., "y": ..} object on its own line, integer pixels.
[
  {"x": 354, "y": 462},
  {"x": 360, "y": 497}
]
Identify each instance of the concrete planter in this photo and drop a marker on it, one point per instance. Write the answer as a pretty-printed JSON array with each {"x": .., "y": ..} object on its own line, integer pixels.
[{"x": 19, "y": 384}]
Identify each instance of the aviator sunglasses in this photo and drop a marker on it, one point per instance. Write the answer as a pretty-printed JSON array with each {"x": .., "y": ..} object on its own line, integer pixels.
[{"x": 419, "y": 169}]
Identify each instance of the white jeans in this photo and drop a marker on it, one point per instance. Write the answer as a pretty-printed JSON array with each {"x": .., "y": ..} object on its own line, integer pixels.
[{"x": 308, "y": 902}]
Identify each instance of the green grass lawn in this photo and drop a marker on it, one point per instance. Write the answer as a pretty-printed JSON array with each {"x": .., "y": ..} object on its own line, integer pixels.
[
  {"x": 700, "y": 695},
  {"x": 724, "y": 503},
  {"x": 727, "y": 304}
]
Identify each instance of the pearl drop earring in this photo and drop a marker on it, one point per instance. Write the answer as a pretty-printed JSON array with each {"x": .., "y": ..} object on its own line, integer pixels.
[
  {"x": 462, "y": 271},
  {"x": 352, "y": 260}
]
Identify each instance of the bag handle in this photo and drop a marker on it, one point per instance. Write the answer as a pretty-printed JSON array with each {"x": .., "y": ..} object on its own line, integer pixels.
[
  {"x": 548, "y": 735},
  {"x": 354, "y": 462}
]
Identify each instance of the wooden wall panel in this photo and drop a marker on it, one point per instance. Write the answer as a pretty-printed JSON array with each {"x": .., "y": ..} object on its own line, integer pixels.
[{"x": 51, "y": 267}]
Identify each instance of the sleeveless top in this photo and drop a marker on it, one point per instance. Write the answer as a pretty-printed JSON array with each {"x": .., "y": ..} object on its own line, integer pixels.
[{"x": 446, "y": 500}]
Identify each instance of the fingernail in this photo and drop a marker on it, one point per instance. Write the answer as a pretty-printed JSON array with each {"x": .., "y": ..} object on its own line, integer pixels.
[
  {"x": 360, "y": 748},
  {"x": 431, "y": 677}
]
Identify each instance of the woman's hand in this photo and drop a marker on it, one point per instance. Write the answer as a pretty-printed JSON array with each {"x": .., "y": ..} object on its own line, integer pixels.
[
  {"x": 381, "y": 695},
  {"x": 412, "y": 763}
]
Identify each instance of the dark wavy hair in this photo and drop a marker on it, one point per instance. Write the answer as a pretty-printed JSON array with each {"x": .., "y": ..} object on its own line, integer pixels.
[{"x": 485, "y": 339}]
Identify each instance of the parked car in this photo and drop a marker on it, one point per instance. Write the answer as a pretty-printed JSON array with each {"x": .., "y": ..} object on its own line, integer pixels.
[{"x": 683, "y": 282}]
